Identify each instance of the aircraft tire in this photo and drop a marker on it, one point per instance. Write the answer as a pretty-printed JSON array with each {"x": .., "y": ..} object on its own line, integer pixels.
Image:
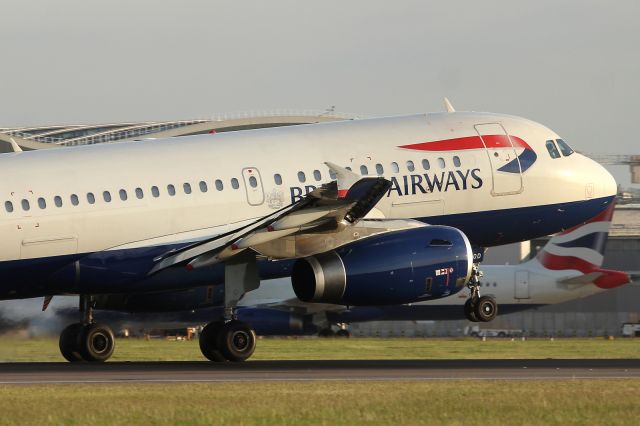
[
  {"x": 208, "y": 341},
  {"x": 69, "y": 347},
  {"x": 469, "y": 310},
  {"x": 486, "y": 309},
  {"x": 237, "y": 341},
  {"x": 96, "y": 342}
]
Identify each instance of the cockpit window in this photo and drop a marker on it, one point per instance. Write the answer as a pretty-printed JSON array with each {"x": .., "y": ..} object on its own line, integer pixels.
[
  {"x": 564, "y": 148},
  {"x": 553, "y": 151}
]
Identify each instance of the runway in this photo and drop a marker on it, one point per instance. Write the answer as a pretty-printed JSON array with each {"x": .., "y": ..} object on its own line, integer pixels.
[{"x": 358, "y": 370}]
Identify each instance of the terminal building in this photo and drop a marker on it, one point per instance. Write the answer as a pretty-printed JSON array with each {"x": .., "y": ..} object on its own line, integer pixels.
[
  {"x": 597, "y": 315},
  {"x": 46, "y": 137}
]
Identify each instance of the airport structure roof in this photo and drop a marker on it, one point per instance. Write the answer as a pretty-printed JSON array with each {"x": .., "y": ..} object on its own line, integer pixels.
[{"x": 42, "y": 137}]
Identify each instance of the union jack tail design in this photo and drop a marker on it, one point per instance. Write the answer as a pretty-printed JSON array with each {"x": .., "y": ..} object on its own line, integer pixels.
[{"x": 582, "y": 248}]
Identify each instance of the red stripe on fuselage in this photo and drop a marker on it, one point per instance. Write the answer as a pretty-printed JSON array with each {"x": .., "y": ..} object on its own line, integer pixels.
[{"x": 469, "y": 142}]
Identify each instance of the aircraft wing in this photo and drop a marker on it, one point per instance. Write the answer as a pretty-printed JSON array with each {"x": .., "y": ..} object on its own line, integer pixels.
[{"x": 327, "y": 212}]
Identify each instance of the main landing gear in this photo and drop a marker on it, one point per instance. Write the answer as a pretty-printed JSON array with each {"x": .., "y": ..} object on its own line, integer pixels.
[
  {"x": 87, "y": 340},
  {"x": 229, "y": 339},
  {"x": 477, "y": 308}
]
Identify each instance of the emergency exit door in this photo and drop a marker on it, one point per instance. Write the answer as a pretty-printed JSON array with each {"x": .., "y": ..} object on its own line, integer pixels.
[{"x": 253, "y": 186}]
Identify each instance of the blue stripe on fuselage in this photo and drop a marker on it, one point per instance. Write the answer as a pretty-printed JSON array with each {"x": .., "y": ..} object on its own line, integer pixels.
[{"x": 125, "y": 271}]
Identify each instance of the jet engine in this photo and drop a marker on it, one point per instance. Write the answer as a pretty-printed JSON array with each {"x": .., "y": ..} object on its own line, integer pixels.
[{"x": 392, "y": 268}]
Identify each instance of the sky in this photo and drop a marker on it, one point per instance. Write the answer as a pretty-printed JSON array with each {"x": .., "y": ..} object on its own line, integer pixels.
[{"x": 571, "y": 65}]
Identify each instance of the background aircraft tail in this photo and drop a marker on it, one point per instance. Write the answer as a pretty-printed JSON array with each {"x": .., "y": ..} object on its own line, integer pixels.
[{"x": 582, "y": 248}]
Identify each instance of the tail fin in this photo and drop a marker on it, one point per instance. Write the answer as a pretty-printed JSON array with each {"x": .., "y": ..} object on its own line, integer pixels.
[{"x": 582, "y": 248}]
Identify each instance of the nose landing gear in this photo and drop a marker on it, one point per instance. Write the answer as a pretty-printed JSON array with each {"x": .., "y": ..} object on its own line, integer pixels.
[{"x": 477, "y": 308}]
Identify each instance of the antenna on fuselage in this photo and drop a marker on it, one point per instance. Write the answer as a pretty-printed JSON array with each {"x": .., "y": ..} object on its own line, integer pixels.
[{"x": 448, "y": 105}]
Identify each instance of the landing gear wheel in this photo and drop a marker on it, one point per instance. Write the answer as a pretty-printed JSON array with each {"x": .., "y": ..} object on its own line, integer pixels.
[
  {"x": 237, "y": 341},
  {"x": 209, "y": 341},
  {"x": 343, "y": 333},
  {"x": 486, "y": 309},
  {"x": 469, "y": 310},
  {"x": 96, "y": 342},
  {"x": 69, "y": 346}
]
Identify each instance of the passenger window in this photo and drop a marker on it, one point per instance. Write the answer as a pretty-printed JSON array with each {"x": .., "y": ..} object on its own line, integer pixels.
[
  {"x": 123, "y": 195},
  {"x": 234, "y": 183},
  {"x": 379, "y": 169},
  {"x": 42, "y": 203},
  {"x": 394, "y": 167},
  {"x": 425, "y": 164},
  {"x": 74, "y": 199},
  {"x": 91, "y": 199},
  {"x": 106, "y": 195},
  {"x": 25, "y": 205},
  {"x": 219, "y": 185},
  {"x": 277, "y": 179},
  {"x": 564, "y": 148},
  {"x": 171, "y": 190},
  {"x": 203, "y": 186},
  {"x": 155, "y": 191},
  {"x": 441, "y": 163},
  {"x": 332, "y": 175},
  {"x": 301, "y": 177},
  {"x": 553, "y": 151},
  {"x": 253, "y": 181},
  {"x": 139, "y": 193},
  {"x": 456, "y": 161},
  {"x": 410, "y": 166},
  {"x": 187, "y": 188},
  {"x": 8, "y": 206},
  {"x": 316, "y": 175},
  {"x": 57, "y": 200},
  {"x": 363, "y": 170}
]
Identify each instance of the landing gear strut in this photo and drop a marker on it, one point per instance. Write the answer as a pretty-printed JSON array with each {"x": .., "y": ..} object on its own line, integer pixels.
[
  {"x": 87, "y": 340},
  {"x": 477, "y": 308},
  {"x": 229, "y": 339}
]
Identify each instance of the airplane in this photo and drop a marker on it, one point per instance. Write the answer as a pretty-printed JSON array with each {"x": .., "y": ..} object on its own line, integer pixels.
[{"x": 360, "y": 212}]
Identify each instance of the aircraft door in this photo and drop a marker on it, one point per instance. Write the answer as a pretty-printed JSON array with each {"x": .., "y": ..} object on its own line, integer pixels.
[
  {"x": 505, "y": 166},
  {"x": 253, "y": 186},
  {"x": 522, "y": 285}
]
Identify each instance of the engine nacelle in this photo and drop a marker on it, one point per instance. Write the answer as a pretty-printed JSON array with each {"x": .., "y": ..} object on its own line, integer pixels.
[{"x": 392, "y": 268}]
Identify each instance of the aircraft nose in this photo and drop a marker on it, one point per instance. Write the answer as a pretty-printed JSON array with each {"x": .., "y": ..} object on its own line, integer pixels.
[{"x": 607, "y": 184}]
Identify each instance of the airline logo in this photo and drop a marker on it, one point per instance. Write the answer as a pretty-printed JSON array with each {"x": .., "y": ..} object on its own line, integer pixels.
[
  {"x": 525, "y": 159},
  {"x": 582, "y": 249}
]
